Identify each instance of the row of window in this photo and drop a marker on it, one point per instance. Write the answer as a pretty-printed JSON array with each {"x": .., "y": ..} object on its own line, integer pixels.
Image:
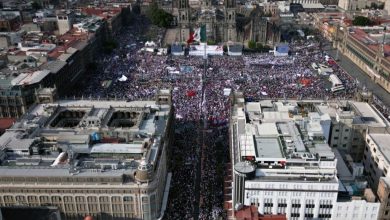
[{"x": 325, "y": 206}]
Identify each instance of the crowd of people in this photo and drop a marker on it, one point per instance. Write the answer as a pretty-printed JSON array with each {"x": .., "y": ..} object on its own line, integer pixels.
[{"x": 200, "y": 94}]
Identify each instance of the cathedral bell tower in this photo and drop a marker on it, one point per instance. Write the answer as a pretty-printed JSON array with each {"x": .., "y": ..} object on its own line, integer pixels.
[
  {"x": 230, "y": 21},
  {"x": 184, "y": 20}
]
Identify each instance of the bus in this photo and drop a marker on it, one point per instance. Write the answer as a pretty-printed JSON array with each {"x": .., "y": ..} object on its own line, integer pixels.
[{"x": 337, "y": 85}]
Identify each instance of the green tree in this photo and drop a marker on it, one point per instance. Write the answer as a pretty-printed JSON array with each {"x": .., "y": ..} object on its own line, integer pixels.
[
  {"x": 361, "y": 21},
  {"x": 136, "y": 9},
  {"x": 251, "y": 44},
  {"x": 127, "y": 16},
  {"x": 109, "y": 45},
  {"x": 35, "y": 5},
  {"x": 158, "y": 16},
  {"x": 211, "y": 42}
]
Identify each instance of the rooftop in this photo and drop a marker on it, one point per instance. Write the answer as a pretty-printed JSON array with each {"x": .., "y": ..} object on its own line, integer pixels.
[
  {"x": 282, "y": 131},
  {"x": 372, "y": 38},
  {"x": 382, "y": 141},
  {"x": 95, "y": 138}
]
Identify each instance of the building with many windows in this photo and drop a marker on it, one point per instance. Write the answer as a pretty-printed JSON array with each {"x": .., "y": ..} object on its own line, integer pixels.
[
  {"x": 368, "y": 48},
  {"x": 349, "y": 123},
  {"x": 377, "y": 165},
  {"x": 282, "y": 163},
  {"x": 107, "y": 159}
]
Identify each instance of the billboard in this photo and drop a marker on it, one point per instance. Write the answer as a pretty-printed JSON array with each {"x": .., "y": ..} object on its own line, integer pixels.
[{"x": 198, "y": 50}]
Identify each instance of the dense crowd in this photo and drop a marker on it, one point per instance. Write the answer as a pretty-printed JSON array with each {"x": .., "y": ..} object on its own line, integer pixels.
[{"x": 201, "y": 101}]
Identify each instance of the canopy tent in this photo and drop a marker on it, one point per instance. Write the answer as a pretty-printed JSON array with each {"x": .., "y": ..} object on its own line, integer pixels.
[
  {"x": 122, "y": 79},
  {"x": 227, "y": 91},
  {"x": 150, "y": 44}
]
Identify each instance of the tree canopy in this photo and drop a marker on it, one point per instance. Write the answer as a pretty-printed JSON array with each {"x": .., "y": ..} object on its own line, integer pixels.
[
  {"x": 159, "y": 17},
  {"x": 361, "y": 21}
]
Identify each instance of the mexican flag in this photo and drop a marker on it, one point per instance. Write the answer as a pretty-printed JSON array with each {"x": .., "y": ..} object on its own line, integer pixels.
[{"x": 199, "y": 35}]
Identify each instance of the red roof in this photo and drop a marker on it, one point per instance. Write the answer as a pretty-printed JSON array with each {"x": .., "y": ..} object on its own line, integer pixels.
[
  {"x": 102, "y": 12},
  {"x": 6, "y": 123}
]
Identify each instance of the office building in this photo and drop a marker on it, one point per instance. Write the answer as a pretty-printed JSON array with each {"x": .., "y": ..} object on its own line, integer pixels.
[
  {"x": 282, "y": 163},
  {"x": 349, "y": 123}
]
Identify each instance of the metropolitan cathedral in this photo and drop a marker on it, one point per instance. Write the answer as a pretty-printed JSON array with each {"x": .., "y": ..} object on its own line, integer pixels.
[{"x": 219, "y": 19}]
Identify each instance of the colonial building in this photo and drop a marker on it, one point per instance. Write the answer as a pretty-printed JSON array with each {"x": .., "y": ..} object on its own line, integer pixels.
[
  {"x": 107, "y": 159},
  {"x": 368, "y": 48},
  {"x": 220, "y": 21}
]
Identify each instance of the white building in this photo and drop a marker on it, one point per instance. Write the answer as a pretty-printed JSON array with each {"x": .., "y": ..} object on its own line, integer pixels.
[
  {"x": 282, "y": 163},
  {"x": 376, "y": 157},
  {"x": 355, "y": 210},
  {"x": 353, "y": 5},
  {"x": 387, "y": 6},
  {"x": 64, "y": 22},
  {"x": 350, "y": 121},
  {"x": 294, "y": 168}
]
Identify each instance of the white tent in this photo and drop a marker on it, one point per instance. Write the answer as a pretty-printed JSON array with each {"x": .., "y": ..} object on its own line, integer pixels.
[
  {"x": 150, "y": 44},
  {"x": 123, "y": 78},
  {"x": 227, "y": 91}
]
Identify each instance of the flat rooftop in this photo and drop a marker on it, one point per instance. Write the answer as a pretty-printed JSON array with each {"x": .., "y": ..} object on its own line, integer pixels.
[
  {"x": 268, "y": 147},
  {"x": 84, "y": 138},
  {"x": 367, "y": 115},
  {"x": 382, "y": 141}
]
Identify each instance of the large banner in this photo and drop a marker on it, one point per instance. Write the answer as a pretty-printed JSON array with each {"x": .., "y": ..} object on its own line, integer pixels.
[{"x": 198, "y": 50}]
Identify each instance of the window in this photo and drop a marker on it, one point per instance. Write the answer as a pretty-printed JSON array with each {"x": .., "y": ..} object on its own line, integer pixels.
[
  {"x": 309, "y": 215},
  {"x": 374, "y": 149},
  {"x": 296, "y": 205},
  {"x": 324, "y": 215},
  {"x": 336, "y": 138},
  {"x": 268, "y": 204},
  {"x": 309, "y": 205},
  {"x": 282, "y": 205},
  {"x": 294, "y": 215},
  {"x": 337, "y": 130},
  {"x": 326, "y": 206}
]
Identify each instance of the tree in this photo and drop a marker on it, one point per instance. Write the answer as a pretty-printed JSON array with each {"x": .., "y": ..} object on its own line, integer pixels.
[
  {"x": 127, "y": 16},
  {"x": 158, "y": 16},
  {"x": 35, "y": 5},
  {"x": 211, "y": 42},
  {"x": 136, "y": 9},
  {"x": 109, "y": 45},
  {"x": 361, "y": 21},
  {"x": 251, "y": 44}
]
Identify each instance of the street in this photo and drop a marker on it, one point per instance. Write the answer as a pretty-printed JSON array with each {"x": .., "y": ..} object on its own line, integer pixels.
[{"x": 363, "y": 78}]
